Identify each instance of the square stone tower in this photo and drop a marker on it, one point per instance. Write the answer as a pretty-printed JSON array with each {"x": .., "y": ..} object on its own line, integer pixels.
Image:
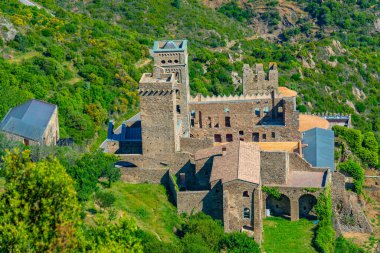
[{"x": 172, "y": 57}]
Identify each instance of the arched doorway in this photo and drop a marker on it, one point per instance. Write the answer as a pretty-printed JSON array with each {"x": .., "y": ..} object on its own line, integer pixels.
[
  {"x": 278, "y": 206},
  {"x": 306, "y": 204}
]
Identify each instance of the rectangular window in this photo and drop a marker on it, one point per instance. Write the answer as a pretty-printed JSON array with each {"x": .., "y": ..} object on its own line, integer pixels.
[
  {"x": 255, "y": 137},
  {"x": 273, "y": 135},
  {"x": 241, "y": 133},
  {"x": 217, "y": 138},
  {"x": 264, "y": 136},
  {"x": 178, "y": 109},
  {"x": 192, "y": 122},
  {"x": 280, "y": 111},
  {"x": 229, "y": 138},
  {"x": 257, "y": 112},
  {"x": 227, "y": 122}
]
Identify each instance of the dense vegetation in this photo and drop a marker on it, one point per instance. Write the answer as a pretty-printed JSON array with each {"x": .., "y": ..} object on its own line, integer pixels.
[{"x": 88, "y": 57}]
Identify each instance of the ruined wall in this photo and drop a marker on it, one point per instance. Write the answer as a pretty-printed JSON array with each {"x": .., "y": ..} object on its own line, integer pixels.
[
  {"x": 296, "y": 163},
  {"x": 256, "y": 80},
  {"x": 249, "y": 120},
  {"x": 274, "y": 167},
  {"x": 192, "y": 145}
]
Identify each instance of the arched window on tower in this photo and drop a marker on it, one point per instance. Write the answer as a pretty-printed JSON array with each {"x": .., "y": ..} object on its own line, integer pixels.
[{"x": 247, "y": 213}]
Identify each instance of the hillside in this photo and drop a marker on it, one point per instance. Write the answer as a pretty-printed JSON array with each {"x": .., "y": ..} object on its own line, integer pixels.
[{"x": 88, "y": 57}]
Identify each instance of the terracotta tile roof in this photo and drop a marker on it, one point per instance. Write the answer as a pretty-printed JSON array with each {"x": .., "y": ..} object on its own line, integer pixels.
[
  {"x": 286, "y": 92},
  {"x": 306, "y": 179},
  {"x": 308, "y": 122},
  {"x": 240, "y": 161}
]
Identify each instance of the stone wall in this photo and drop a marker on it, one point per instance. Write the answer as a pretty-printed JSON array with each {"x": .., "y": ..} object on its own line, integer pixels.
[
  {"x": 241, "y": 196},
  {"x": 274, "y": 167},
  {"x": 51, "y": 134},
  {"x": 249, "y": 120},
  {"x": 192, "y": 145},
  {"x": 256, "y": 80},
  {"x": 172, "y": 186},
  {"x": 139, "y": 175},
  {"x": 191, "y": 201},
  {"x": 296, "y": 163}
]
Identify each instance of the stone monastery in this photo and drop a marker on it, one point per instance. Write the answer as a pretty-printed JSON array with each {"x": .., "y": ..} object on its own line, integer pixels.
[{"x": 224, "y": 155}]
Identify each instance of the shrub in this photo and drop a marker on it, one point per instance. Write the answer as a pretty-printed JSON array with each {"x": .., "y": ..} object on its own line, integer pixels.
[
  {"x": 354, "y": 170},
  {"x": 343, "y": 246},
  {"x": 104, "y": 199},
  {"x": 272, "y": 191},
  {"x": 237, "y": 242},
  {"x": 325, "y": 233}
]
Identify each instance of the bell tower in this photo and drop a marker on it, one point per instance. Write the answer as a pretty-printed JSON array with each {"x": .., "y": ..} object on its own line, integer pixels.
[{"x": 172, "y": 57}]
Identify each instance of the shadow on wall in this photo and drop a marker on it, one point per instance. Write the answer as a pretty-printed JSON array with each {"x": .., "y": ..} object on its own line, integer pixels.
[{"x": 278, "y": 207}]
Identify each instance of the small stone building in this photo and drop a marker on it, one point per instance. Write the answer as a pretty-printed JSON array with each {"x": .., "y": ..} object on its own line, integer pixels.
[{"x": 34, "y": 122}]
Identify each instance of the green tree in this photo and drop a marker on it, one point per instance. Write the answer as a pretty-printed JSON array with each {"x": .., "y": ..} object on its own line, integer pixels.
[{"x": 39, "y": 211}]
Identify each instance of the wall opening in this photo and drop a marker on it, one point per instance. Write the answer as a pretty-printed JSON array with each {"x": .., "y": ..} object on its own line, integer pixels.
[
  {"x": 217, "y": 138},
  {"x": 264, "y": 136},
  {"x": 200, "y": 119},
  {"x": 273, "y": 135},
  {"x": 257, "y": 112},
  {"x": 245, "y": 194},
  {"x": 278, "y": 207},
  {"x": 228, "y": 121},
  {"x": 255, "y": 137},
  {"x": 229, "y": 138},
  {"x": 178, "y": 109},
  {"x": 306, "y": 206},
  {"x": 246, "y": 213}
]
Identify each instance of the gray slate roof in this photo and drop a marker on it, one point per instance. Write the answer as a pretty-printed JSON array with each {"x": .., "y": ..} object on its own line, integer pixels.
[
  {"x": 28, "y": 120},
  {"x": 320, "y": 147}
]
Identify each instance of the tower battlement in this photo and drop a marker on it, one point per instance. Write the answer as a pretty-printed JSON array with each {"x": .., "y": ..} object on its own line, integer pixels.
[{"x": 256, "y": 80}]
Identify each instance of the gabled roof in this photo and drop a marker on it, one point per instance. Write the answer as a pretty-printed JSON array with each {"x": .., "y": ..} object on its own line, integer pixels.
[
  {"x": 28, "y": 120},
  {"x": 319, "y": 151},
  {"x": 240, "y": 161}
]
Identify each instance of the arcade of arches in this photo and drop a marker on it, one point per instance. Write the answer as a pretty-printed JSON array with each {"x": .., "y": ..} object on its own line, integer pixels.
[{"x": 297, "y": 206}]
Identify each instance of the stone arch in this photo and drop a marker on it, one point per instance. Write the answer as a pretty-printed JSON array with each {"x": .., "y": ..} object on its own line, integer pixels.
[
  {"x": 278, "y": 207},
  {"x": 306, "y": 203}
]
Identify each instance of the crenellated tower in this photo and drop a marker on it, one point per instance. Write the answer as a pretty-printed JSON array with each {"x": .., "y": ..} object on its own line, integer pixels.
[
  {"x": 257, "y": 81},
  {"x": 172, "y": 57}
]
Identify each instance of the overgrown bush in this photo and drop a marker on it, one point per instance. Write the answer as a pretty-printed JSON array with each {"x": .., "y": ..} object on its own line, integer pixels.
[
  {"x": 325, "y": 233},
  {"x": 342, "y": 245},
  {"x": 355, "y": 171}
]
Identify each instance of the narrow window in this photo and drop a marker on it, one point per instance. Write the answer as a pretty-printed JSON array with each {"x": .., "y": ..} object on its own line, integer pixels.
[
  {"x": 280, "y": 111},
  {"x": 216, "y": 122},
  {"x": 192, "y": 122},
  {"x": 241, "y": 133},
  {"x": 257, "y": 112},
  {"x": 273, "y": 135},
  {"x": 229, "y": 138},
  {"x": 245, "y": 194},
  {"x": 247, "y": 213},
  {"x": 200, "y": 119},
  {"x": 178, "y": 94},
  {"x": 255, "y": 137},
  {"x": 264, "y": 136},
  {"x": 178, "y": 107},
  {"x": 217, "y": 138},
  {"x": 227, "y": 122},
  {"x": 209, "y": 122}
]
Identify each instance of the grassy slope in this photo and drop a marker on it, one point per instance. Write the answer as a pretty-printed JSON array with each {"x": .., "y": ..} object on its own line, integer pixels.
[
  {"x": 148, "y": 204},
  {"x": 284, "y": 236}
]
